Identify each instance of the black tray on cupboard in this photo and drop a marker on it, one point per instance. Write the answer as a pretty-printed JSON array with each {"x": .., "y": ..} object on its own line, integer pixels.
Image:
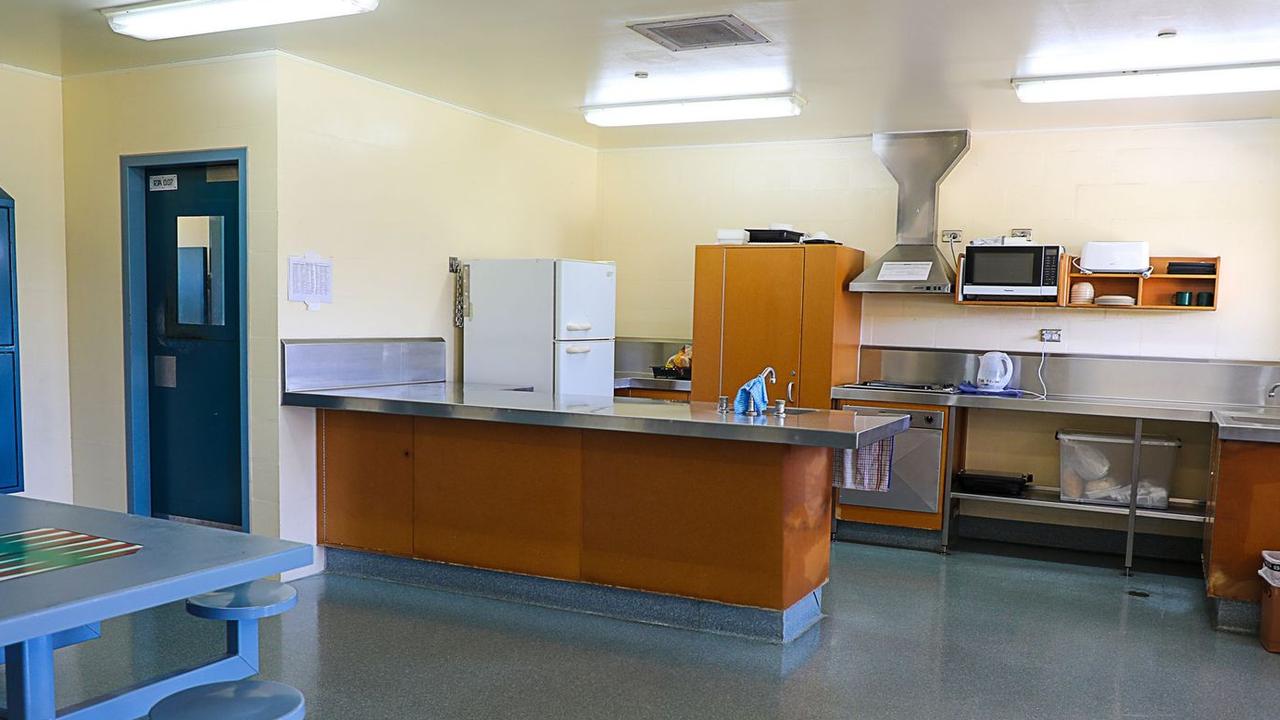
[{"x": 666, "y": 373}]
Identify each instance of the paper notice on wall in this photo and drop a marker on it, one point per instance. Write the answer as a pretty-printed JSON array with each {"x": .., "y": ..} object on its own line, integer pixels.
[
  {"x": 310, "y": 280},
  {"x": 905, "y": 271}
]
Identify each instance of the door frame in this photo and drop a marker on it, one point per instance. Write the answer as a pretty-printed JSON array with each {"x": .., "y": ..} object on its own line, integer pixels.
[{"x": 137, "y": 362}]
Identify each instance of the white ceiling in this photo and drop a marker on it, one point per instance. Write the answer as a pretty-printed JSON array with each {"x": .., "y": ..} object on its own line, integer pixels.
[{"x": 863, "y": 65}]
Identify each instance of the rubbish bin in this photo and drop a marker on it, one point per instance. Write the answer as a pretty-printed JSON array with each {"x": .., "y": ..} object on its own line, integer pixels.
[{"x": 1269, "y": 631}]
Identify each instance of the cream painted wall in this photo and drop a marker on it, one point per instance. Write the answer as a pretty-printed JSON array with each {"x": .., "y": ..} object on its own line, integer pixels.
[
  {"x": 31, "y": 171},
  {"x": 656, "y": 204},
  {"x": 173, "y": 108},
  {"x": 390, "y": 185},
  {"x": 1196, "y": 190},
  {"x": 1188, "y": 190}
]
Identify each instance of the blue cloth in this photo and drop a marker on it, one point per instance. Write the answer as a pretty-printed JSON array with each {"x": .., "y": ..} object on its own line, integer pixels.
[
  {"x": 754, "y": 388},
  {"x": 971, "y": 389}
]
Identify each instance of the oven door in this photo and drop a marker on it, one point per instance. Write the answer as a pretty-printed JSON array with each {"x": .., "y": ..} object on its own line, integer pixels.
[
  {"x": 917, "y": 465},
  {"x": 1018, "y": 270}
]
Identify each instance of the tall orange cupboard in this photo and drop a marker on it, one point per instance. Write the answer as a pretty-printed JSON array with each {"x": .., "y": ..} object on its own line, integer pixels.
[{"x": 780, "y": 306}]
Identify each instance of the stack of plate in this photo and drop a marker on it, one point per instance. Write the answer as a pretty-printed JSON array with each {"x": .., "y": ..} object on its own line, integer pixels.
[
  {"x": 1082, "y": 293},
  {"x": 1114, "y": 300}
]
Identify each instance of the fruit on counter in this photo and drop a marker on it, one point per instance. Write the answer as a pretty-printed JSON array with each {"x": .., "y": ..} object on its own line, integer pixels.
[{"x": 682, "y": 359}]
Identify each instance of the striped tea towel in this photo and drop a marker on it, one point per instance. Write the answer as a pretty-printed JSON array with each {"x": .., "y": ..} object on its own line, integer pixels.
[{"x": 871, "y": 470}]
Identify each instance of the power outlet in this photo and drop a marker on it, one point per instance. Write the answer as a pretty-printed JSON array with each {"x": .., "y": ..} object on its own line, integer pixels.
[{"x": 1051, "y": 335}]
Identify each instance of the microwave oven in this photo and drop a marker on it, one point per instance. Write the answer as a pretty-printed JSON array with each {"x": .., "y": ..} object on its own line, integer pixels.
[{"x": 1024, "y": 273}]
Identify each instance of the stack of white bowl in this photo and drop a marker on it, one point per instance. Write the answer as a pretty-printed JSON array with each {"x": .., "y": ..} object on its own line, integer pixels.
[{"x": 1082, "y": 293}]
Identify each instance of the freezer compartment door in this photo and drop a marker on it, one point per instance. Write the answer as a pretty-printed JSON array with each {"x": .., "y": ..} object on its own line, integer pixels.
[
  {"x": 586, "y": 298},
  {"x": 584, "y": 367}
]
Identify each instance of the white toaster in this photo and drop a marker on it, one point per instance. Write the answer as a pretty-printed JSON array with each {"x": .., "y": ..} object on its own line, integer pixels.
[{"x": 1116, "y": 257}]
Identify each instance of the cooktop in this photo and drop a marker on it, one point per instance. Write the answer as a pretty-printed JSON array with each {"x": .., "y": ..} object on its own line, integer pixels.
[{"x": 905, "y": 386}]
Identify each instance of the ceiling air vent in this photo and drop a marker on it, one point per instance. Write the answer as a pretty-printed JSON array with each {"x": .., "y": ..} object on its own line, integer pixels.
[{"x": 700, "y": 33}]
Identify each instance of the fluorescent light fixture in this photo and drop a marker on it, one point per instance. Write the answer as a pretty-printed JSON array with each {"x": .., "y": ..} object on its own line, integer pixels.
[
  {"x": 1209, "y": 80},
  {"x": 180, "y": 18},
  {"x": 668, "y": 112}
]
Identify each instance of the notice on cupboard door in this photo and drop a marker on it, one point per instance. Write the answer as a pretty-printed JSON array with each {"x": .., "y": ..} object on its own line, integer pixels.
[
  {"x": 310, "y": 280},
  {"x": 905, "y": 271}
]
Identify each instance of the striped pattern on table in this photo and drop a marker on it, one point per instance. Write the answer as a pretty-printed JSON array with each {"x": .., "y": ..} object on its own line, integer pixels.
[{"x": 31, "y": 552}]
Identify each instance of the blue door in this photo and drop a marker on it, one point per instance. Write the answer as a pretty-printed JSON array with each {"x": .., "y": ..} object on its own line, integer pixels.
[
  {"x": 193, "y": 339},
  {"x": 10, "y": 407}
]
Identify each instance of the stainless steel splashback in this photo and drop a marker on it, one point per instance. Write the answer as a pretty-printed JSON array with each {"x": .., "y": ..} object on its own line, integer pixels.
[
  {"x": 1218, "y": 382},
  {"x": 347, "y": 363},
  {"x": 639, "y": 355}
]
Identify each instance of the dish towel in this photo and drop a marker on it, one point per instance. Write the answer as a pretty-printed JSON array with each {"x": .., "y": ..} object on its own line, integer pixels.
[
  {"x": 971, "y": 389},
  {"x": 869, "y": 469},
  {"x": 754, "y": 388}
]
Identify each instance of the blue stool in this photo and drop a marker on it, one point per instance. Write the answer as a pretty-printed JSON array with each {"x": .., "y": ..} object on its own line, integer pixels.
[
  {"x": 240, "y": 700},
  {"x": 250, "y": 601},
  {"x": 241, "y": 607}
]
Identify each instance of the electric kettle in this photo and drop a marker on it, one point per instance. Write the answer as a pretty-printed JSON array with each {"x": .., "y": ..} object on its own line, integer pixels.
[{"x": 995, "y": 370}]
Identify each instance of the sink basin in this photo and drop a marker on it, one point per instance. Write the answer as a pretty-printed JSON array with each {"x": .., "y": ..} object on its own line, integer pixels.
[
  {"x": 1255, "y": 420},
  {"x": 790, "y": 411}
]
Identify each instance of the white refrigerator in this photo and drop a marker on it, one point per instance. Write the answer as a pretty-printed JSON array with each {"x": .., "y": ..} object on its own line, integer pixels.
[{"x": 545, "y": 324}]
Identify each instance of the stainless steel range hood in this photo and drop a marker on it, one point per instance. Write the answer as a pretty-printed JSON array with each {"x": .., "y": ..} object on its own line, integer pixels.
[{"x": 919, "y": 162}]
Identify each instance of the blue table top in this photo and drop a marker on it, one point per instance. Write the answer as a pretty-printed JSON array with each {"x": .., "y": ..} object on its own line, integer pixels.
[{"x": 176, "y": 561}]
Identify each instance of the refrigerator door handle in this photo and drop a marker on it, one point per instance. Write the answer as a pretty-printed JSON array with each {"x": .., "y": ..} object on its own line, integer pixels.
[
  {"x": 577, "y": 349},
  {"x": 578, "y": 327}
]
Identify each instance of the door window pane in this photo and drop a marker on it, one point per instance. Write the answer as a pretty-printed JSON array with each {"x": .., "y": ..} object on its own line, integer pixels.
[{"x": 200, "y": 271}]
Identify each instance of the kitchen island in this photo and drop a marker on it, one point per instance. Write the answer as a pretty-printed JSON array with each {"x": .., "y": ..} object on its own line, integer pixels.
[{"x": 661, "y": 512}]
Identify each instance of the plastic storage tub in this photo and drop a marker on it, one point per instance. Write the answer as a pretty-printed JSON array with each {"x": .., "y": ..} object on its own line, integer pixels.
[{"x": 1095, "y": 468}]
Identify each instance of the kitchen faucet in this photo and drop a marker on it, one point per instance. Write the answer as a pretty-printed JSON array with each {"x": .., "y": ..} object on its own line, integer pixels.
[
  {"x": 773, "y": 376},
  {"x": 1272, "y": 392}
]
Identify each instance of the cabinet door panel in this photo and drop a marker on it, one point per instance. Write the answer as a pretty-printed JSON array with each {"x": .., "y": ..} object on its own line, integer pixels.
[
  {"x": 763, "y": 307},
  {"x": 1243, "y": 521},
  {"x": 10, "y": 451},
  {"x": 708, "y": 318},
  {"x": 366, "y": 481},
  {"x": 500, "y": 496}
]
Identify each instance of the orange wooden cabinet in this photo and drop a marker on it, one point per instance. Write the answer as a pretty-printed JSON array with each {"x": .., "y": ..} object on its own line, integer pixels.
[
  {"x": 611, "y": 508},
  {"x": 780, "y": 306},
  {"x": 1244, "y": 503}
]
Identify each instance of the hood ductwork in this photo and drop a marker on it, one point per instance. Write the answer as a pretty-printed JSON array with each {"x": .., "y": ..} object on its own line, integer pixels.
[{"x": 919, "y": 162}]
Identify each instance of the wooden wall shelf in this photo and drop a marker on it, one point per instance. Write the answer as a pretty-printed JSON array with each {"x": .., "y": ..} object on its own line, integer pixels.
[{"x": 1154, "y": 292}]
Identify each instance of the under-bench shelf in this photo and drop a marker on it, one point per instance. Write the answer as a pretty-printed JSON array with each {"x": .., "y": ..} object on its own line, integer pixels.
[{"x": 1049, "y": 497}]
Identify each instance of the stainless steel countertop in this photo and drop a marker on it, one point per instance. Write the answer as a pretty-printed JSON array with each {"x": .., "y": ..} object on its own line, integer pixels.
[
  {"x": 1259, "y": 424},
  {"x": 641, "y": 381},
  {"x": 1233, "y": 421},
  {"x": 818, "y": 428}
]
